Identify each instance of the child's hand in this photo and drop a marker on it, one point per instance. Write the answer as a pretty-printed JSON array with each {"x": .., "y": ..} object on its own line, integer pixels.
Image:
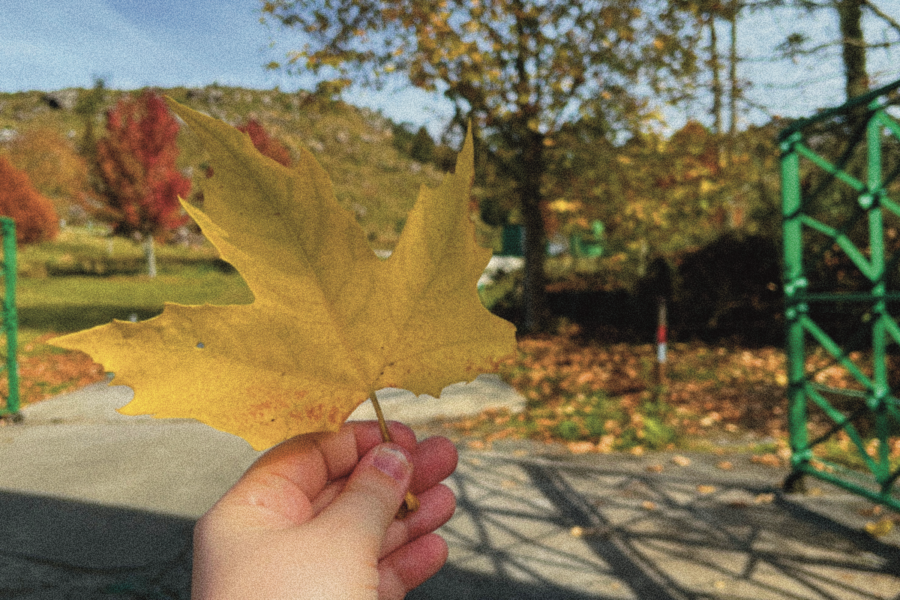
[{"x": 315, "y": 518}]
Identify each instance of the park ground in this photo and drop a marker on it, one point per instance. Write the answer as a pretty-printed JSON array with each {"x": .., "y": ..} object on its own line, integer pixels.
[{"x": 586, "y": 394}]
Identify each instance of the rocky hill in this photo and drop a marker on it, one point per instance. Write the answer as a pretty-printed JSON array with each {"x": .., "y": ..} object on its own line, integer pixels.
[{"x": 362, "y": 151}]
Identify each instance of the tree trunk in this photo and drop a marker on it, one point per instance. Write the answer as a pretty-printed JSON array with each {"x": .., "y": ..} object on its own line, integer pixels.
[
  {"x": 530, "y": 142},
  {"x": 715, "y": 66},
  {"x": 150, "y": 253},
  {"x": 736, "y": 207},
  {"x": 533, "y": 167},
  {"x": 734, "y": 86},
  {"x": 853, "y": 47}
]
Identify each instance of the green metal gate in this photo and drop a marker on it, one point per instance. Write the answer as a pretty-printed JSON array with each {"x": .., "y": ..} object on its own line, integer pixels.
[
  {"x": 840, "y": 191},
  {"x": 10, "y": 317}
]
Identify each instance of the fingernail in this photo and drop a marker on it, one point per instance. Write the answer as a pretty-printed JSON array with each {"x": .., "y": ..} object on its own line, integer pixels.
[{"x": 391, "y": 462}]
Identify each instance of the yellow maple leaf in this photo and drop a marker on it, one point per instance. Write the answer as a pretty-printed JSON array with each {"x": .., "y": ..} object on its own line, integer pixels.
[{"x": 330, "y": 322}]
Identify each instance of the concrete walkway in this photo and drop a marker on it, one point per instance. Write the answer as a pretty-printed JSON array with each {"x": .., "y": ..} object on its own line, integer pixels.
[{"x": 97, "y": 505}]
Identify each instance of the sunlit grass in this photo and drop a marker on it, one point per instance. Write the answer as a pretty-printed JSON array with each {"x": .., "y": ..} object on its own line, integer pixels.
[{"x": 62, "y": 303}]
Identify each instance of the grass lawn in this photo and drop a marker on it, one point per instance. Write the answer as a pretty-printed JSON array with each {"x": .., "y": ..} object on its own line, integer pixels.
[
  {"x": 66, "y": 304},
  {"x": 82, "y": 280}
]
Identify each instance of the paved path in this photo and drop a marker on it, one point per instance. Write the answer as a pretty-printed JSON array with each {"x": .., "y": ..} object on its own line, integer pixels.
[{"x": 96, "y": 505}]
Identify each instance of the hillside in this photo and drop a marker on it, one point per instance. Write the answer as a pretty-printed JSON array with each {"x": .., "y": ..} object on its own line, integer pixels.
[{"x": 372, "y": 177}]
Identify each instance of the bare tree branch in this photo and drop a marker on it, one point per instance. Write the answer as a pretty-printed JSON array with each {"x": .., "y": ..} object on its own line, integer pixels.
[{"x": 882, "y": 15}]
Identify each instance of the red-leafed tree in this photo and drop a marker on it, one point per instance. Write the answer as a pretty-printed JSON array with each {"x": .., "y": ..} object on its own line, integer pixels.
[
  {"x": 34, "y": 215},
  {"x": 266, "y": 144},
  {"x": 138, "y": 175}
]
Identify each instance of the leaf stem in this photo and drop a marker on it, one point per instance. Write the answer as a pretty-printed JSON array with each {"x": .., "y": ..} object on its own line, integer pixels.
[
  {"x": 385, "y": 436},
  {"x": 410, "y": 502}
]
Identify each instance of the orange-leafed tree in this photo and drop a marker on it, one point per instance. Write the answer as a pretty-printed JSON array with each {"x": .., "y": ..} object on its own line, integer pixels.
[
  {"x": 265, "y": 143},
  {"x": 54, "y": 167},
  {"x": 140, "y": 182},
  {"x": 34, "y": 215}
]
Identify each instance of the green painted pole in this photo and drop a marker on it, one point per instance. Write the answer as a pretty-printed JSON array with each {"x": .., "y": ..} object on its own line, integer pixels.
[
  {"x": 871, "y": 202},
  {"x": 10, "y": 316},
  {"x": 795, "y": 306}
]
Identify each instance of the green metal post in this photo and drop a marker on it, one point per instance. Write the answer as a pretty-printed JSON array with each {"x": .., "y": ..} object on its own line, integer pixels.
[
  {"x": 871, "y": 397},
  {"x": 877, "y": 400},
  {"x": 795, "y": 308},
  {"x": 10, "y": 316}
]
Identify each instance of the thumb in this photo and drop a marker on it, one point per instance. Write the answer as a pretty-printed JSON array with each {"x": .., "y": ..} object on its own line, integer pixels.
[{"x": 373, "y": 494}]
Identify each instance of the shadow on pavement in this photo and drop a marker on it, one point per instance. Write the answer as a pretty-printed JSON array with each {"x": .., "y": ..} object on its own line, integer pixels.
[
  {"x": 646, "y": 535},
  {"x": 525, "y": 528},
  {"x": 56, "y": 549},
  {"x": 452, "y": 583}
]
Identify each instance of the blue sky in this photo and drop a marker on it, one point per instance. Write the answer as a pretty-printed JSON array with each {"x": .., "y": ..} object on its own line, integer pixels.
[{"x": 53, "y": 44}]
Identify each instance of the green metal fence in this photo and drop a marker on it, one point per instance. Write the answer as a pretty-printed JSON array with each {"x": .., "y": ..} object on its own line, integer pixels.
[
  {"x": 10, "y": 317},
  {"x": 840, "y": 189}
]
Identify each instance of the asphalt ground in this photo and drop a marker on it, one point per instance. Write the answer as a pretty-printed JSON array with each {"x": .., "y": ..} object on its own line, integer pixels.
[{"x": 98, "y": 505}]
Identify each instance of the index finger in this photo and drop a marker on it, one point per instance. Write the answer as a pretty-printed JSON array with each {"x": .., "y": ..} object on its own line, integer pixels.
[{"x": 310, "y": 461}]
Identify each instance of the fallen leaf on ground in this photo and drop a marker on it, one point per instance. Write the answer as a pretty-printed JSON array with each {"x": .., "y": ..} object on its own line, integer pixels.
[
  {"x": 579, "y": 531},
  {"x": 706, "y": 489},
  {"x": 880, "y": 528},
  {"x": 681, "y": 461},
  {"x": 330, "y": 322},
  {"x": 769, "y": 460},
  {"x": 581, "y": 447},
  {"x": 725, "y": 465},
  {"x": 874, "y": 511}
]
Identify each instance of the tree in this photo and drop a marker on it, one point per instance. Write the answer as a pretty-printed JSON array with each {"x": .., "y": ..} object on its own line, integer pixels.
[
  {"x": 266, "y": 144},
  {"x": 87, "y": 108},
  {"x": 140, "y": 183},
  {"x": 851, "y": 39},
  {"x": 517, "y": 70},
  {"x": 35, "y": 218},
  {"x": 654, "y": 195},
  {"x": 53, "y": 166},
  {"x": 422, "y": 147},
  {"x": 711, "y": 14}
]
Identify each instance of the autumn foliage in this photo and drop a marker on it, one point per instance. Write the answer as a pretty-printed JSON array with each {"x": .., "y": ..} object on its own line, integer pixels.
[
  {"x": 53, "y": 165},
  {"x": 330, "y": 323},
  {"x": 34, "y": 215},
  {"x": 136, "y": 165},
  {"x": 266, "y": 144}
]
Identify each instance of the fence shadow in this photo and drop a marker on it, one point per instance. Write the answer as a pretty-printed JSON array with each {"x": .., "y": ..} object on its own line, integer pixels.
[
  {"x": 639, "y": 535},
  {"x": 648, "y": 535}
]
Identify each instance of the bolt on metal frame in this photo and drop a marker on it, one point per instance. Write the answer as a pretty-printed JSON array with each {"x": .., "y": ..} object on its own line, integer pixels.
[{"x": 843, "y": 151}]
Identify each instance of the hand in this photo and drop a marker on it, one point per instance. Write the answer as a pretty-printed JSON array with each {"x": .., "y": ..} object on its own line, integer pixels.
[{"x": 314, "y": 517}]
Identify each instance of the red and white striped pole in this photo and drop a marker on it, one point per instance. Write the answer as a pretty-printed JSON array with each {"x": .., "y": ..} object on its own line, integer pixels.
[{"x": 661, "y": 334}]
